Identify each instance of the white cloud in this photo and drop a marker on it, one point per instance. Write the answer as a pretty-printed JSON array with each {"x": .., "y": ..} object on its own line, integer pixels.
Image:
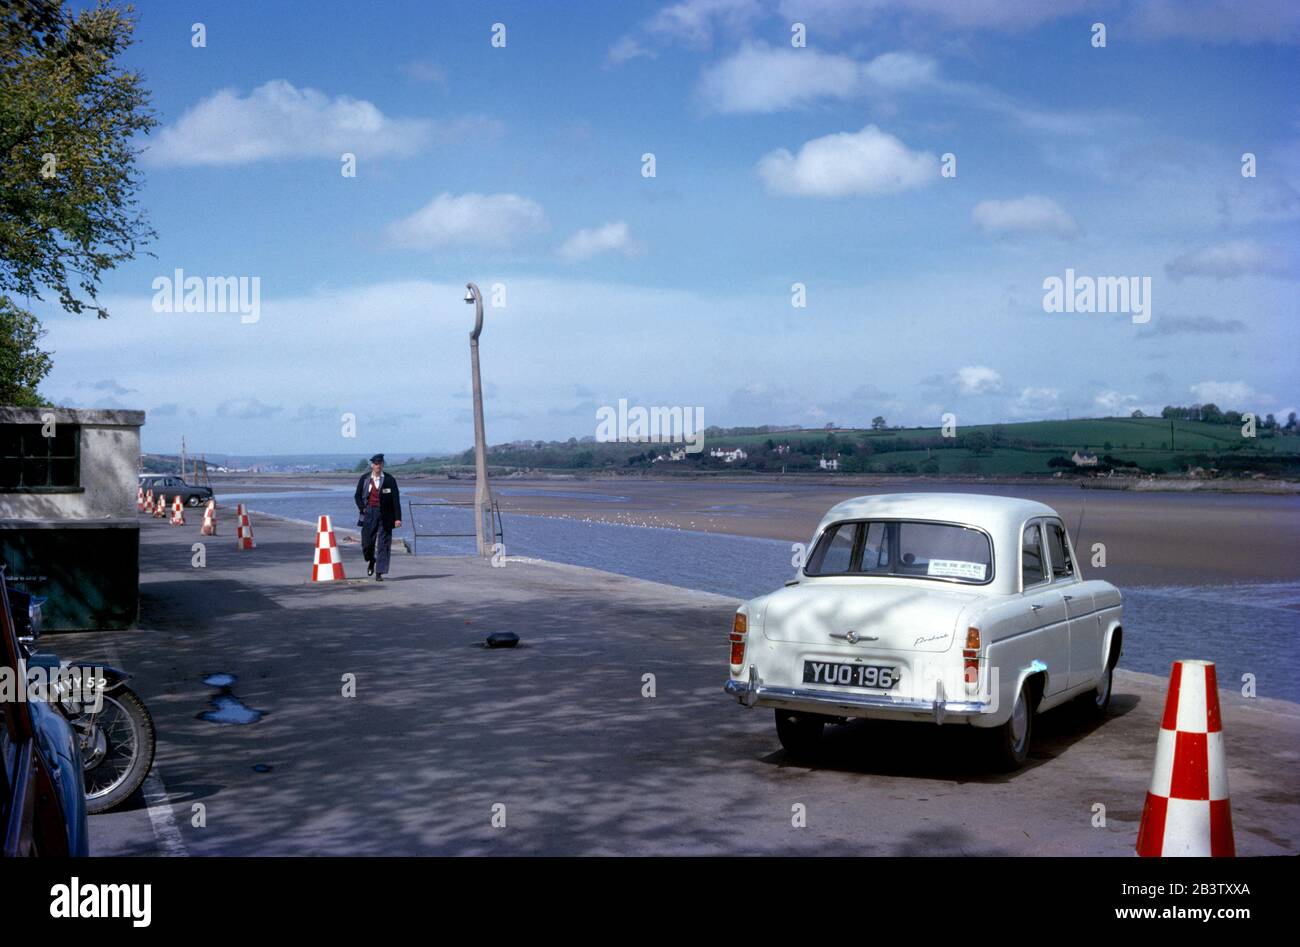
[
  {"x": 1232, "y": 259},
  {"x": 278, "y": 121},
  {"x": 762, "y": 78},
  {"x": 978, "y": 380},
  {"x": 692, "y": 23},
  {"x": 423, "y": 70},
  {"x": 847, "y": 163},
  {"x": 1220, "y": 21},
  {"x": 615, "y": 236},
  {"x": 247, "y": 409},
  {"x": 627, "y": 49},
  {"x": 1037, "y": 401},
  {"x": 1003, "y": 15},
  {"x": 1031, "y": 214},
  {"x": 1113, "y": 403},
  {"x": 480, "y": 220},
  {"x": 1228, "y": 395}
]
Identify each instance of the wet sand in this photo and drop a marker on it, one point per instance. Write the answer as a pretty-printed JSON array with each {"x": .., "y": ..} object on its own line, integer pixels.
[{"x": 1150, "y": 538}]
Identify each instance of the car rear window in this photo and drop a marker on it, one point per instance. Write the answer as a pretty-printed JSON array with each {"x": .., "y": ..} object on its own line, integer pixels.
[{"x": 912, "y": 549}]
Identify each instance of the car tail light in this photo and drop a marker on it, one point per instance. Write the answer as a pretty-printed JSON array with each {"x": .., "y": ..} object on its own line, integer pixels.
[
  {"x": 738, "y": 629},
  {"x": 971, "y": 654}
]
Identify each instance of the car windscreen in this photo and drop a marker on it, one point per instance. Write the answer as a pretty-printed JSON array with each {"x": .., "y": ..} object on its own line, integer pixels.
[{"x": 911, "y": 549}]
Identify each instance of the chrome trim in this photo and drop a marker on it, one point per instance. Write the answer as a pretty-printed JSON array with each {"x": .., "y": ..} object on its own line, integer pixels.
[
  {"x": 852, "y": 637},
  {"x": 753, "y": 692}
]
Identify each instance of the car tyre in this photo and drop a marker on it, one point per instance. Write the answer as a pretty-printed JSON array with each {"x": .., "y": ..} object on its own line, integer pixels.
[
  {"x": 800, "y": 734},
  {"x": 1010, "y": 742},
  {"x": 1097, "y": 700},
  {"x": 195, "y": 500}
]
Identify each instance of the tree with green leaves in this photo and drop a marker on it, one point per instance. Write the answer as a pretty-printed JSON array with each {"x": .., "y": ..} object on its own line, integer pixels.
[{"x": 69, "y": 114}]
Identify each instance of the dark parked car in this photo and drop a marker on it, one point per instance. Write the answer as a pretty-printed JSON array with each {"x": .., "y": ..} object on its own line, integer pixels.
[
  {"x": 171, "y": 485},
  {"x": 42, "y": 794}
]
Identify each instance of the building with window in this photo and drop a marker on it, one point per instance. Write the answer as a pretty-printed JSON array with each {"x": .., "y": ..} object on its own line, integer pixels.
[
  {"x": 68, "y": 525},
  {"x": 728, "y": 456}
]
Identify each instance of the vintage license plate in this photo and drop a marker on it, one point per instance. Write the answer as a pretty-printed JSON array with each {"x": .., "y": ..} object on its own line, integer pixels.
[{"x": 850, "y": 675}]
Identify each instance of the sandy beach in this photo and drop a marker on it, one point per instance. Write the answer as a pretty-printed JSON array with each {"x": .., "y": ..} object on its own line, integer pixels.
[{"x": 1150, "y": 538}]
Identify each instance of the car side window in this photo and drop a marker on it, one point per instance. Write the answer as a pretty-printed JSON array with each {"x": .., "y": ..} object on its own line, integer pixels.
[
  {"x": 875, "y": 549},
  {"x": 1062, "y": 565},
  {"x": 1033, "y": 569},
  {"x": 834, "y": 554}
]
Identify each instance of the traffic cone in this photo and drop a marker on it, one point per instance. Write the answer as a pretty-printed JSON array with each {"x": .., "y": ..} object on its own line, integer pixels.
[
  {"x": 328, "y": 564},
  {"x": 139, "y": 499},
  {"x": 148, "y": 501},
  {"x": 160, "y": 508},
  {"x": 209, "y": 527},
  {"x": 178, "y": 511},
  {"x": 1186, "y": 811},
  {"x": 244, "y": 530}
]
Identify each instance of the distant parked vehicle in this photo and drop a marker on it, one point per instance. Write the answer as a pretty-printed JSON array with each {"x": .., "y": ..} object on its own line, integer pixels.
[
  {"x": 42, "y": 802},
  {"x": 930, "y": 607},
  {"x": 114, "y": 731},
  {"x": 171, "y": 485}
]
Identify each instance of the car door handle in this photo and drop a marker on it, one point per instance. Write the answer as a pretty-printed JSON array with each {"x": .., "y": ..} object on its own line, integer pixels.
[
  {"x": 1036, "y": 607},
  {"x": 1069, "y": 598}
]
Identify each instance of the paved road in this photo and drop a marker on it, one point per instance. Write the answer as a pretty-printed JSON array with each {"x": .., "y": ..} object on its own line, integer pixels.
[{"x": 442, "y": 730}]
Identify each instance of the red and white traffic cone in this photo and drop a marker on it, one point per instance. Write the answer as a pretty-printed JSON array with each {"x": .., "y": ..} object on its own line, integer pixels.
[
  {"x": 1187, "y": 810},
  {"x": 243, "y": 531},
  {"x": 160, "y": 508},
  {"x": 328, "y": 564},
  {"x": 178, "y": 511},
  {"x": 139, "y": 499},
  {"x": 148, "y": 501},
  {"x": 209, "y": 527}
]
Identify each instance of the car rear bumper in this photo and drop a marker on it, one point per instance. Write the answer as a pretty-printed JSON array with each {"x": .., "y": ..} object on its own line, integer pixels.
[{"x": 753, "y": 692}]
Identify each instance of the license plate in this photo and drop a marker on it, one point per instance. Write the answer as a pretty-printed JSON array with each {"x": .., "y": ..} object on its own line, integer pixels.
[{"x": 850, "y": 675}]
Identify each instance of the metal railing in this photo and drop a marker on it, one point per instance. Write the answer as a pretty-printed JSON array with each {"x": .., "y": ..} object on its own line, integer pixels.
[{"x": 498, "y": 531}]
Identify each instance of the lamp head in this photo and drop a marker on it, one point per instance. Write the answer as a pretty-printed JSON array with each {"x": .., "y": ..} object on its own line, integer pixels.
[{"x": 469, "y": 295}]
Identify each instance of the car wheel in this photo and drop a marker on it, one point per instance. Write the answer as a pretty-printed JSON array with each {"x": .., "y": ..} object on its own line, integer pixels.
[
  {"x": 1097, "y": 700},
  {"x": 800, "y": 734},
  {"x": 195, "y": 500},
  {"x": 1011, "y": 740}
]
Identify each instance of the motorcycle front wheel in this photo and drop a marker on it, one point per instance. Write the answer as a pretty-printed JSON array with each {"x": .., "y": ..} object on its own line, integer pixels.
[{"x": 117, "y": 747}]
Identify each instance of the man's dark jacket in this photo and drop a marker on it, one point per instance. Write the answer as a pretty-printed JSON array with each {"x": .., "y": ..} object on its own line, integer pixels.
[{"x": 390, "y": 500}]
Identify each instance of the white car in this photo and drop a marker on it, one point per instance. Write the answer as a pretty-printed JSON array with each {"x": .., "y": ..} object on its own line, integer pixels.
[{"x": 950, "y": 608}]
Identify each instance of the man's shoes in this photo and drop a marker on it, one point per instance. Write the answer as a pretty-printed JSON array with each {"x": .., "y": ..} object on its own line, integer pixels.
[
  {"x": 380, "y": 577},
  {"x": 370, "y": 567}
]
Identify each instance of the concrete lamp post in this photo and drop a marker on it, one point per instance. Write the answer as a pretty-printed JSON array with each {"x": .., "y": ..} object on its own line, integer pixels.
[{"x": 484, "y": 534}]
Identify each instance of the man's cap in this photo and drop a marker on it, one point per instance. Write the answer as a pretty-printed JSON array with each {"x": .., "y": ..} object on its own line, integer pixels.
[{"x": 377, "y": 459}]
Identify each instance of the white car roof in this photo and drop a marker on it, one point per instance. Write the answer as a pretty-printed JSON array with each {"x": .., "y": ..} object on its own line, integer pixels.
[{"x": 996, "y": 514}]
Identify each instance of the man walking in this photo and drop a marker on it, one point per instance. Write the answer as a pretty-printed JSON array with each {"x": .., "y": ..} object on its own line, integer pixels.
[{"x": 380, "y": 505}]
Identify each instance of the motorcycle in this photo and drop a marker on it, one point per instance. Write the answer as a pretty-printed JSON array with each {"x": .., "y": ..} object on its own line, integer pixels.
[{"x": 110, "y": 720}]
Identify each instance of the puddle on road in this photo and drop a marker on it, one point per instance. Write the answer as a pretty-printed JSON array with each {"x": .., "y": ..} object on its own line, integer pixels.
[{"x": 227, "y": 707}]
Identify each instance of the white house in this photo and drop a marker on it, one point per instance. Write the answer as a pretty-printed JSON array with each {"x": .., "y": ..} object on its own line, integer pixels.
[
  {"x": 832, "y": 464},
  {"x": 728, "y": 456},
  {"x": 679, "y": 454},
  {"x": 1084, "y": 459}
]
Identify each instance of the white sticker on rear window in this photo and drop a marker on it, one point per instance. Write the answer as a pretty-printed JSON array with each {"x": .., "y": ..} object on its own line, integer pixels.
[{"x": 957, "y": 569}]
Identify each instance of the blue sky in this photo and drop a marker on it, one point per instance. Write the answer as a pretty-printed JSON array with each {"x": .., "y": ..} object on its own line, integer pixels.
[{"x": 522, "y": 166}]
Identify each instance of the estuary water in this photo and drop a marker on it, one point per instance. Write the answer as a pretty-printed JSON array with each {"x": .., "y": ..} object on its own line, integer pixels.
[{"x": 1245, "y": 628}]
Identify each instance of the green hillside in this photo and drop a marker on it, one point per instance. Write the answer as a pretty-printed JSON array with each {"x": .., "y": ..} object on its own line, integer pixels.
[{"x": 1134, "y": 446}]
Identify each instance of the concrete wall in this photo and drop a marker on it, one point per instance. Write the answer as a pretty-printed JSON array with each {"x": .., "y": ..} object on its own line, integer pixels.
[
  {"x": 110, "y": 460},
  {"x": 79, "y": 548}
]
